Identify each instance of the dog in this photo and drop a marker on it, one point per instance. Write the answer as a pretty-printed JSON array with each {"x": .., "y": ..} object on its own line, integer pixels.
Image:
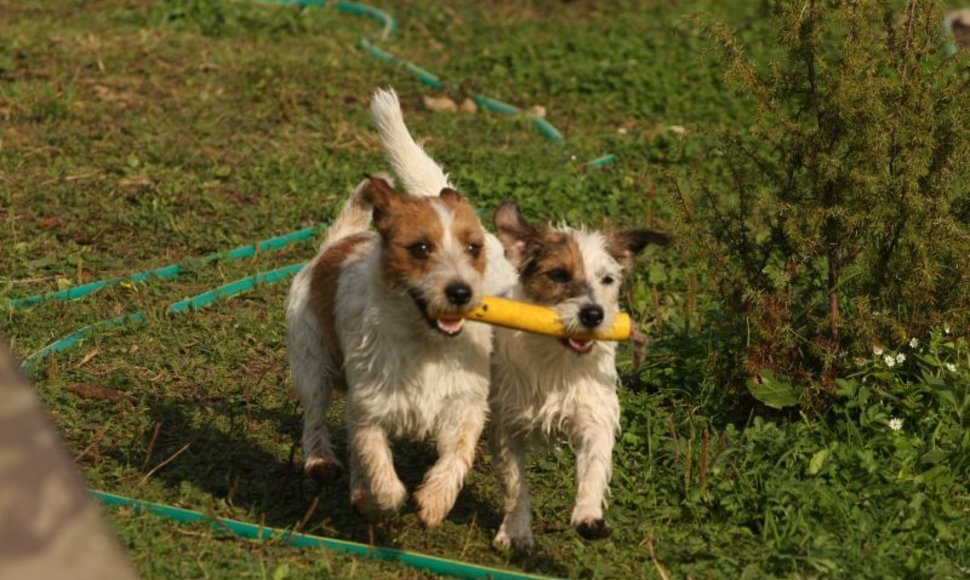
[
  {"x": 545, "y": 388},
  {"x": 378, "y": 314}
]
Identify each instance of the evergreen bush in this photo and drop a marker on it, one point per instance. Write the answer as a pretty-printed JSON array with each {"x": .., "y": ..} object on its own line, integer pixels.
[{"x": 840, "y": 218}]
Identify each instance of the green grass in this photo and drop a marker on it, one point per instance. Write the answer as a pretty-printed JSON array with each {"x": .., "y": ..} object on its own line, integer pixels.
[{"x": 137, "y": 134}]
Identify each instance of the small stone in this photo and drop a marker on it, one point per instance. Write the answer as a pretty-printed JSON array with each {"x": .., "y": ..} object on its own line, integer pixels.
[
  {"x": 468, "y": 106},
  {"x": 439, "y": 104}
]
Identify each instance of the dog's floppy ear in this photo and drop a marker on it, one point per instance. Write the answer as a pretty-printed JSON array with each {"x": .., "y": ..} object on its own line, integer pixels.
[
  {"x": 624, "y": 245},
  {"x": 379, "y": 195},
  {"x": 449, "y": 196},
  {"x": 513, "y": 231}
]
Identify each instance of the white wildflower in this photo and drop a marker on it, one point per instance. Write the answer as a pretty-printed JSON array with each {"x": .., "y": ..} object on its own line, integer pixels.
[
  {"x": 877, "y": 350},
  {"x": 895, "y": 424},
  {"x": 946, "y": 329},
  {"x": 951, "y": 367},
  {"x": 890, "y": 361},
  {"x": 913, "y": 343},
  {"x": 900, "y": 358}
]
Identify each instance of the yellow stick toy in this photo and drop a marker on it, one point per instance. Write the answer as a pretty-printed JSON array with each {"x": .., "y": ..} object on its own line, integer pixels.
[{"x": 541, "y": 320}]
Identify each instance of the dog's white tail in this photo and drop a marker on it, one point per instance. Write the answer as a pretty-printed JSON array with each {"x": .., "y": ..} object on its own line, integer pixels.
[{"x": 419, "y": 174}]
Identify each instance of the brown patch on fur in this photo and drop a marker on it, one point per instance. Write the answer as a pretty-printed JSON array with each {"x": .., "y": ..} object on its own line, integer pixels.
[
  {"x": 404, "y": 221},
  {"x": 550, "y": 254},
  {"x": 549, "y": 261},
  {"x": 380, "y": 196},
  {"x": 466, "y": 228},
  {"x": 513, "y": 231},
  {"x": 408, "y": 222},
  {"x": 323, "y": 288}
]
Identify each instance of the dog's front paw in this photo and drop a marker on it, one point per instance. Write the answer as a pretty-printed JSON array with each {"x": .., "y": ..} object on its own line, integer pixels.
[
  {"x": 391, "y": 496},
  {"x": 366, "y": 507},
  {"x": 377, "y": 506},
  {"x": 594, "y": 529},
  {"x": 503, "y": 541},
  {"x": 433, "y": 504},
  {"x": 323, "y": 469}
]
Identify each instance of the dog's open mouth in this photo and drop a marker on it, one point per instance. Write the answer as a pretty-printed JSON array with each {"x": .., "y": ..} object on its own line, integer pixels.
[
  {"x": 446, "y": 326},
  {"x": 449, "y": 326},
  {"x": 578, "y": 345}
]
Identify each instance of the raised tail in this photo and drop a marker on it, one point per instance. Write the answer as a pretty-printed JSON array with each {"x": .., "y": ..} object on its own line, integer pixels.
[{"x": 418, "y": 172}]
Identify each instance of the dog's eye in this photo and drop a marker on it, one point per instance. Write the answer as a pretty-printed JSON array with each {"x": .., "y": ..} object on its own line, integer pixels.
[
  {"x": 607, "y": 280},
  {"x": 559, "y": 275},
  {"x": 474, "y": 249},
  {"x": 420, "y": 250}
]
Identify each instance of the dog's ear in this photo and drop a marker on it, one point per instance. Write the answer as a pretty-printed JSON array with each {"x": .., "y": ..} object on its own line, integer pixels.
[
  {"x": 450, "y": 196},
  {"x": 624, "y": 245},
  {"x": 513, "y": 231},
  {"x": 379, "y": 195}
]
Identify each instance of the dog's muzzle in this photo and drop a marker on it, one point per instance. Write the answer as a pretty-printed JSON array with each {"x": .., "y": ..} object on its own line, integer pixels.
[
  {"x": 590, "y": 317},
  {"x": 446, "y": 326}
]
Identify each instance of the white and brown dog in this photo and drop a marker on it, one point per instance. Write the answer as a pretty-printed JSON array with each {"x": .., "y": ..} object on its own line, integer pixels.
[
  {"x": 379, "y": 313},
  {"x": 544, "y": 388}
]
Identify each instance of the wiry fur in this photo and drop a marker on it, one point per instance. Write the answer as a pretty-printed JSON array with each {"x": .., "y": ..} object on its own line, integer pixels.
[
  {"x": 543, "y": 389},
  {"x": 403, "y": 376}
]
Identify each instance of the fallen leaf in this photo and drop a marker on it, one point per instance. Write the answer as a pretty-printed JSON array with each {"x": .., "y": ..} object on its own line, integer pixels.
[
  {"x": 135, "y": 181},
  {"x": 96, "y": 392},
  {"x": 87, "y": 358}
]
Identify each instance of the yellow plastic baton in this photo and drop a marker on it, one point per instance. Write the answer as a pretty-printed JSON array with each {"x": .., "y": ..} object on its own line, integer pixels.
[{"x": 541, "y": 320}]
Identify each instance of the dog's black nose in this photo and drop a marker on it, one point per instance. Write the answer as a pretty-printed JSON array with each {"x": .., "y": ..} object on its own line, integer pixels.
[
  {"x": 591, "y": 315},
  {"x": 458, "y": 293}
]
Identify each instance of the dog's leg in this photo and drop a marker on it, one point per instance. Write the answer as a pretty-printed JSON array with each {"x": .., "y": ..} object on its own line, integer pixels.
[
  {"x": 594, "y": 451},
  {"x": 516, "y": 529},
  {"x": 321, "y": 462},
  {"x": 314, "y": 377},
  {"x": 456, "y": 453},
  {"x": 375, "y": 489}
]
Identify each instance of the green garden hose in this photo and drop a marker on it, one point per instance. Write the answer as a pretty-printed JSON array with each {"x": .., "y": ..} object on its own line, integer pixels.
[
  {"x": 166, "y": 272},
  {"x": 197, "y": 302},
  {"x": 389, "y": 27},
  {"x": 249, "y": 531}
]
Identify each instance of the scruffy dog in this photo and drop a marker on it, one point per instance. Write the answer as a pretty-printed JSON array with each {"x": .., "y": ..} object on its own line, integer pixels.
[
  {"x": 378, "y": 313},
  {"x": 545, "y": 388}
]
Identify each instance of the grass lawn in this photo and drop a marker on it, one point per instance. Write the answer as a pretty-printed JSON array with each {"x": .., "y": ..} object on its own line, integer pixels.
[{"x": 135, "y": 134}]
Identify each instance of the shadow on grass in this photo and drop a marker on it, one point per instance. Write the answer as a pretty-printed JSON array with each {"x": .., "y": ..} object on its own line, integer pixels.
[{"x": 230, "y": 458}]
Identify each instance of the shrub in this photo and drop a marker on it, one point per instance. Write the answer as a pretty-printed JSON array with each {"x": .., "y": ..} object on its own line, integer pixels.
[{"x": 840, "y": 218}]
